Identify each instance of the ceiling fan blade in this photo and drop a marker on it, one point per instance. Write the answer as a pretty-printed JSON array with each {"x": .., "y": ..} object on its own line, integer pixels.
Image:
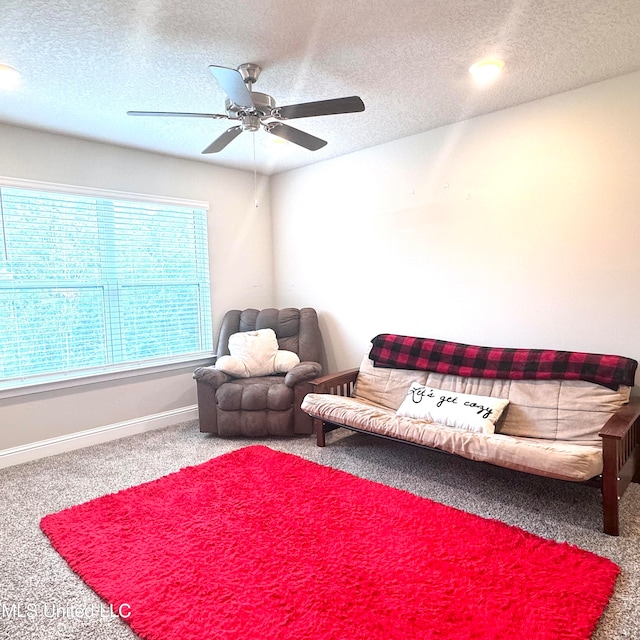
[
  {"x": 177, "y": 114},
  {"x": 296, "y": 136},
  {"x": 233, "y": 84},
  {"x": 352, "y": 104},
  {"x": 222, "y": 141}
]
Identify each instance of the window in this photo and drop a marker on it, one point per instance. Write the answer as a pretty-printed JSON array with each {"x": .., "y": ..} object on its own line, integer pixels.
[{"x": 97, "y": 282}]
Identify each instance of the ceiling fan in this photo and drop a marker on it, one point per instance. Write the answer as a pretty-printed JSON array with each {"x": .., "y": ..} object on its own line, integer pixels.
[{"x": 254, "y": 110}]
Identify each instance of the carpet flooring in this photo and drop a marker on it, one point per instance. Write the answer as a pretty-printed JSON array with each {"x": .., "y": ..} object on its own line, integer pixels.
[
  {"x": 260, "y": 543},
  {"x": 40, "y": 597}
]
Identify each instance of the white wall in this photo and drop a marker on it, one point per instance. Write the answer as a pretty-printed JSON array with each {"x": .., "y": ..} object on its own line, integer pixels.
[
  {"x": 518, "y": 229},
  {"x": 240, "y": 261}
]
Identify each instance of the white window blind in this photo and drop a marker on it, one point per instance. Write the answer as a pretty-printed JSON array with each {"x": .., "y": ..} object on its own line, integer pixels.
[{"x": 94, "y": 284}]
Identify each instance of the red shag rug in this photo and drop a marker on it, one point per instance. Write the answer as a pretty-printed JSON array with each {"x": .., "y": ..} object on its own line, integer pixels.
[{"x": 257, "y": 544}]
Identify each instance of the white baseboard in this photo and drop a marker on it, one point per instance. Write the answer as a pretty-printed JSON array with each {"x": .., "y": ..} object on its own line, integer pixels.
[{"x": 61, "y": 444}]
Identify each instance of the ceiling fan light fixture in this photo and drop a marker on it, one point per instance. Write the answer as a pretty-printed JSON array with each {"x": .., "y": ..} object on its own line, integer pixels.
[
  {"x": 486, "y": 71},
  {"x": 9, "y": 77},
  {"x": 250, "y": 123}
]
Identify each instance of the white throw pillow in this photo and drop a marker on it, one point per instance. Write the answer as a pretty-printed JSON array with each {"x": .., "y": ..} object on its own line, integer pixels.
[
  {"x": 256, "y": 353},
  {"x": 458, "y": 410}
]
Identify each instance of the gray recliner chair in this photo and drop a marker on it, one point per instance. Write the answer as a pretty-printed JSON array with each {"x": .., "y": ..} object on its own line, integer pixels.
[{"x": 266, "y": 405}]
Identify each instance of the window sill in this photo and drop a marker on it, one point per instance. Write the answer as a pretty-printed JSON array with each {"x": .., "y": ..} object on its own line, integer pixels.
[{"x": 83, "y": 381}]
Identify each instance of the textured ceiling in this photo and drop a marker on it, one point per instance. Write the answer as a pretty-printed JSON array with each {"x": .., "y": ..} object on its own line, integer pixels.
[{"x": 86, "y": 62}]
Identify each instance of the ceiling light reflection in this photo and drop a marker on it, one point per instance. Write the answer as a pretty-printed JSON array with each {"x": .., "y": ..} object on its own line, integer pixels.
[
  {"x": 9, "y": 77},
  {"x": 486, "y": 71}
]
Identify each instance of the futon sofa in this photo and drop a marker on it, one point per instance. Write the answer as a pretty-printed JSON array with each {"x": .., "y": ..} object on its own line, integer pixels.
[{"x": 564, "y": 415}]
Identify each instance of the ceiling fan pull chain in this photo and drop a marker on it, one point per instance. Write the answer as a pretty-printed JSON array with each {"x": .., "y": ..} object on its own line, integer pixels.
[{"x": 255, "y": 180}]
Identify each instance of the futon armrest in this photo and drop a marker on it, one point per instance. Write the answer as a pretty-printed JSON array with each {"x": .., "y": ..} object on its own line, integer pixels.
[
  {"x": 303, "y": 371},
  {"x": 211, "y": 376},
  {"x": 621, "y": 422},
  {"x": 340, "y": 383}
]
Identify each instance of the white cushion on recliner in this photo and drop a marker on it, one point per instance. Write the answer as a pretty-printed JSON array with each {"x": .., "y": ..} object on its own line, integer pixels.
[{"x": 256, "y": 353}]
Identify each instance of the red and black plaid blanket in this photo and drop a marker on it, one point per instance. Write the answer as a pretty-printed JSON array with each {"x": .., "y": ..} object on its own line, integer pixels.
[{"x": 406, "y": 352}]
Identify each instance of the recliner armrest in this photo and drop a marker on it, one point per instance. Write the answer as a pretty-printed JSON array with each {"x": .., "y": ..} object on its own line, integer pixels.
[
  {"x": 211, "y": 376},
  {"x": 304, "y": 371}
]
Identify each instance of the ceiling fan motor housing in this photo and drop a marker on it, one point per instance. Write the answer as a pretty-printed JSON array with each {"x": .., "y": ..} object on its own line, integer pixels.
[{"x": 263, "y": 106}]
